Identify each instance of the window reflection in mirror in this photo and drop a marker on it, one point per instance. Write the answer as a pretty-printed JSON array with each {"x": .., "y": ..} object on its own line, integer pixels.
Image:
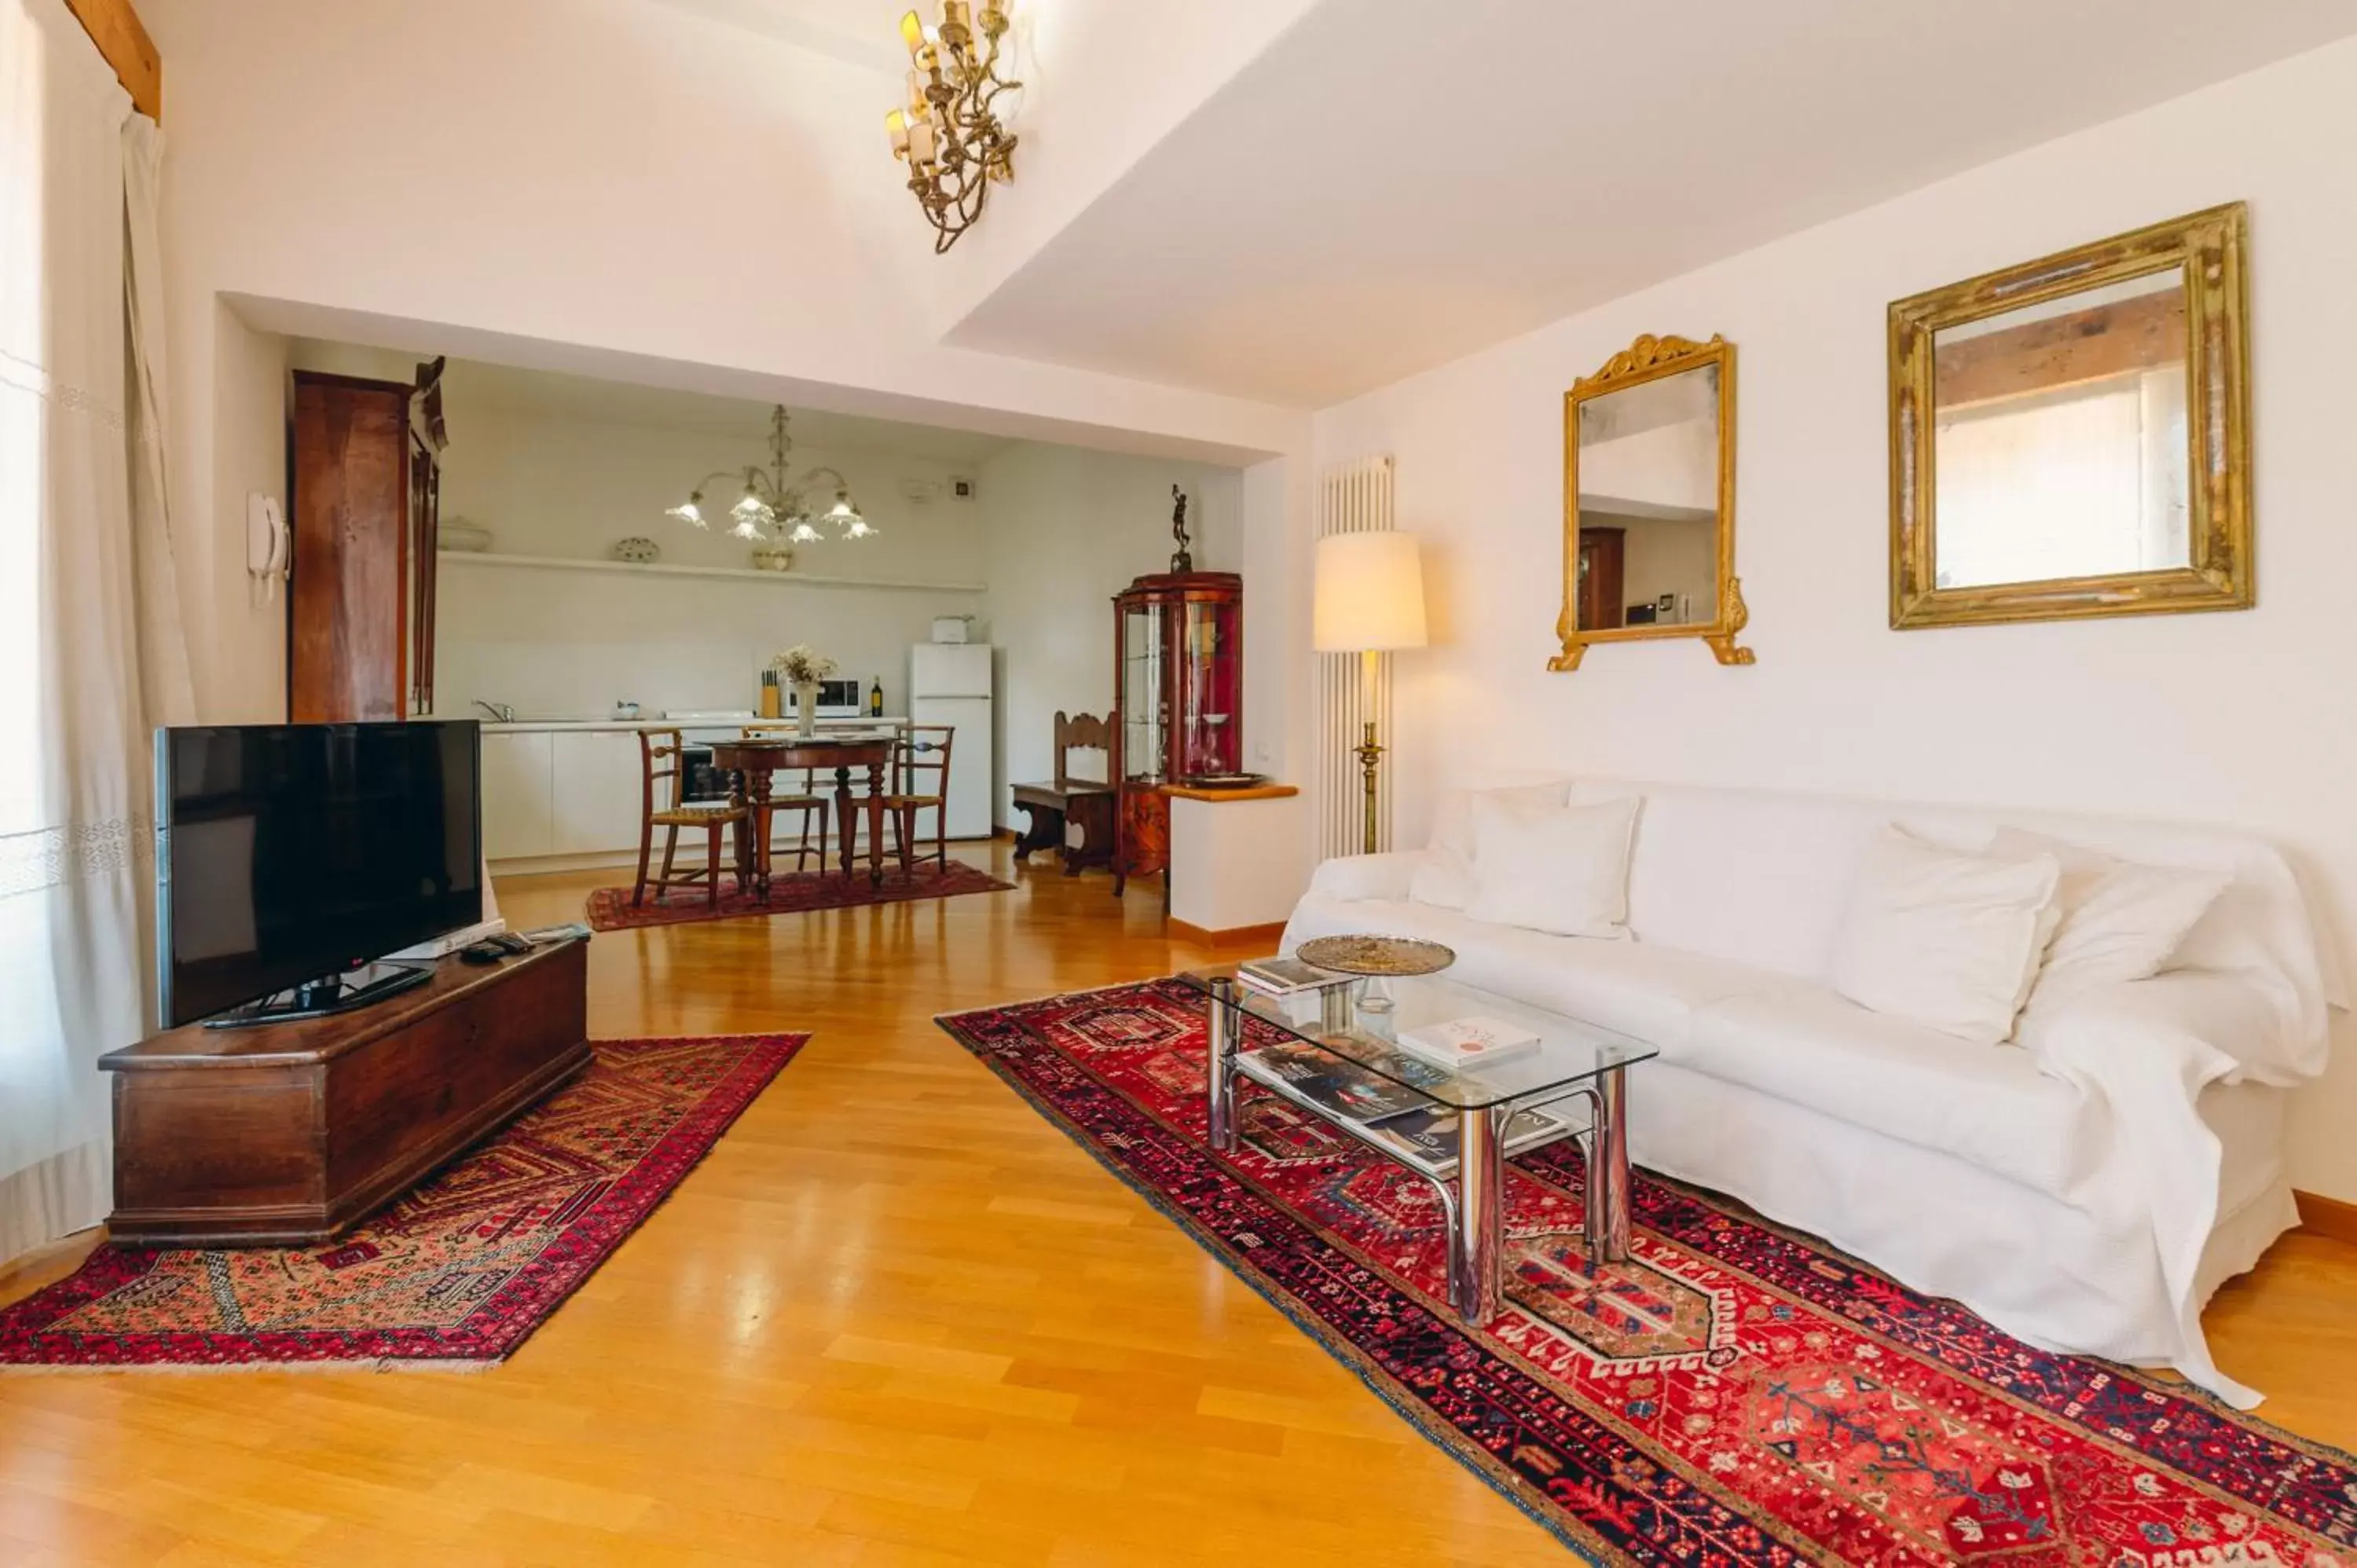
[{"x": 2060, "y": 437}]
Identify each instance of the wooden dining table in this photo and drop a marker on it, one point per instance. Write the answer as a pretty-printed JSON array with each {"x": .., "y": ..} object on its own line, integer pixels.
[{"x": 751, "y": 762}]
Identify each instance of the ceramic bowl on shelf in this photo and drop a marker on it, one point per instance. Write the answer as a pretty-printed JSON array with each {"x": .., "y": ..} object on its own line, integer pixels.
[
  {"x": 458, "y": 533},
  {"x": 637, "y": 550}
]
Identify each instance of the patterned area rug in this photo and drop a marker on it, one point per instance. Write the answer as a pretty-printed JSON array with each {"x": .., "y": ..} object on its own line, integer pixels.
[
  {"x": 458, "y": 1273},
  {"x": 1734, "y": 1394},
  {"x": 610, "y": 908}
]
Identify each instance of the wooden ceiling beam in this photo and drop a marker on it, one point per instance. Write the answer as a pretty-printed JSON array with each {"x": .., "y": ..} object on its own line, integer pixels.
[
  {"x": 2060, "y": 351},
  {"x": 115, "y": 28}
]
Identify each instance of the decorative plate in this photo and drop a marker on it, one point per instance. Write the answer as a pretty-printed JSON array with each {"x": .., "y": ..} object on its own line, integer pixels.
[
  {"x": 1223, "y": 780},
  {"x": 635, "y": 549},
  {"x": 1375, "y": 955}
]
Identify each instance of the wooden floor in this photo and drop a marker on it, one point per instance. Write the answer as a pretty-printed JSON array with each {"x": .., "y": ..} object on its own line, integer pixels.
[{"x": 894, "y": 1318}]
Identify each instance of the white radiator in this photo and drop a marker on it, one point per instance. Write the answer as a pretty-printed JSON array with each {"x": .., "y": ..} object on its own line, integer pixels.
[{"x": 1353, "y": 499}]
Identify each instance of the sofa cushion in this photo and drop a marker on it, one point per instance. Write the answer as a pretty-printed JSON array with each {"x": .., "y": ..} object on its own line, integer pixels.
[
  {"x": 1757, "y": 877},
  {"x": 1563, "y": 869},
  {"x": 1945, "y": 939},
  {"x": 1452, "y": 817},
  {"x": 1806, "y": 1045},
  {"x": 2120, "y": 920},
  {"x": 1444, "y": 879},
  {"x": 1444, "y": 875}
]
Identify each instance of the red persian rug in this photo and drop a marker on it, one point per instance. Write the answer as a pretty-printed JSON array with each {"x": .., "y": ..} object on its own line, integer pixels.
[
  {"x": 1735, "y": 1393},
  {"x": 610, "y": 908},
  {"x": 458, "y": 1273}
]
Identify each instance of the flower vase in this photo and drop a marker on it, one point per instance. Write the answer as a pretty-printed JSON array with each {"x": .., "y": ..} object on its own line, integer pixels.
[{"x": 806, "y": 709}]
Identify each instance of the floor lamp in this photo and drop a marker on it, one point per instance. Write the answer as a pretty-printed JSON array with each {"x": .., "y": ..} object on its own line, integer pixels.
[{"x": 1368, "y": 600}]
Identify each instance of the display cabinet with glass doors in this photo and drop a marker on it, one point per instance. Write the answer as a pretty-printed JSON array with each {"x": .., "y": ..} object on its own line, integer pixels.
[{"x": 1178, "y": 647}]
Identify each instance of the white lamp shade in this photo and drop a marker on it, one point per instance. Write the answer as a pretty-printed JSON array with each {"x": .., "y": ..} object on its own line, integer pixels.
[{"x": 1368, "y": 594}]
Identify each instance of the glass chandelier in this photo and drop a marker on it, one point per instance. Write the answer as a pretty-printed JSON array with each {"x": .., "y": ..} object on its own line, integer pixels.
[{"x": 767, "y": 502}]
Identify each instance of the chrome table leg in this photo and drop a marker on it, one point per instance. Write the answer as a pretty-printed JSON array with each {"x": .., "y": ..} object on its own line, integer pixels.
[
  {"x": 1607, "y": 1170},
  {"x": 1476, "y": 1240},
  {"x": 1219, "y": 1069}
]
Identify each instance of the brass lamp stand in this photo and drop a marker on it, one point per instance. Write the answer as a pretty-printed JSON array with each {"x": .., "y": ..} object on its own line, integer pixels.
[{"x": 1369, "y": 751}]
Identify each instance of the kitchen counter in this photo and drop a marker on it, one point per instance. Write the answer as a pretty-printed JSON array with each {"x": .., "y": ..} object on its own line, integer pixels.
[
  {"x": 545, "y": 726},
  {"x": 566, "y": 793}
]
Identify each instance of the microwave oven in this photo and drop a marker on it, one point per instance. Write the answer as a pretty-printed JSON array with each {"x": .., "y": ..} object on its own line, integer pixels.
[{"x": 844, "y": 697}]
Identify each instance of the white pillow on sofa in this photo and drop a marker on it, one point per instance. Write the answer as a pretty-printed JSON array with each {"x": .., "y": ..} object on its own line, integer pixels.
[
  {"x": 1443, "y": 873},
  {"x": 1948, "y": 940},
  {"x": 2120, "y": 920},
  {"x": 1555, "y": 869}
]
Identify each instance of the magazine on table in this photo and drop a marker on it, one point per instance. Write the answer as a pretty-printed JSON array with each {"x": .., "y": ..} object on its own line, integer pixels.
[
  {"x": 1340, "y": 1086},
  {"x": 1283, "y": 976},
  {"x": 1429, "y": 1135}
]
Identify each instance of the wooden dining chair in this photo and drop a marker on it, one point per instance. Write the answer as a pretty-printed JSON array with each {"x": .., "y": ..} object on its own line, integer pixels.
[
  {"x": 810, "y": 803},
  {"x": 664, "y": 804},
  {"x": 920, "y": 781}
]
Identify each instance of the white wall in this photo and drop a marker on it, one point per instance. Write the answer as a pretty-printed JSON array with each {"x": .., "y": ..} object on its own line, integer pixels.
[
  {"x": 237, "y": 633},
  {"x": 1070, "y": 529},
  {"x": 552, "y": 641},
  {"x": 2240, "y": 719},
  {"x": 601, "y": 186}
]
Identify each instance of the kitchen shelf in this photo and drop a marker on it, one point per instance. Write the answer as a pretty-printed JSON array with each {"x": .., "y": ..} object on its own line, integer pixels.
[{"x": 660, "y": 569}]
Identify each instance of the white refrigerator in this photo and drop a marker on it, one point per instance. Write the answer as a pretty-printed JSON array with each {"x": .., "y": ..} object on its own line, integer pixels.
[{"x": 949, "y": 683}]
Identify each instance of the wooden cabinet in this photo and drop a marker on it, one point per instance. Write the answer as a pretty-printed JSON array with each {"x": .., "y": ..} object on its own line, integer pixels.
[
  {"x": 364, "y": 521},
  {"x": 560, "y": 792},
  {"x": 1178, "y": 660},
  {"x": 518, "y": 805},
  {"x": 1603, "y": 557}
]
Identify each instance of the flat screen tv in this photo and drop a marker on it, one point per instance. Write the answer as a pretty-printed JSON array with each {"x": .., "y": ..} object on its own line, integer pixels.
[{"x": 294, "y": 854}]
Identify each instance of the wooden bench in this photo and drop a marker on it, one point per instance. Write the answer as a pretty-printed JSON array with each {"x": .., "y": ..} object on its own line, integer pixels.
[{"x": 1084, "y": 804}]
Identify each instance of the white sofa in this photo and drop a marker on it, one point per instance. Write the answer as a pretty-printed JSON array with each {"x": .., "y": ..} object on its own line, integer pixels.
[{"x": 2086, "y": 1191}]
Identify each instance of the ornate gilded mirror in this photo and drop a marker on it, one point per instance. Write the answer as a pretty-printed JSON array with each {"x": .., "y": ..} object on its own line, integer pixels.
[
  {"x": 2072, "y": 437},
  {"x": 1649, "y": 501}
]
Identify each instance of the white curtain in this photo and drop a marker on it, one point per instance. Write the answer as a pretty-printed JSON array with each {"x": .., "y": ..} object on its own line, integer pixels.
[{"x": 91, "y": 655}]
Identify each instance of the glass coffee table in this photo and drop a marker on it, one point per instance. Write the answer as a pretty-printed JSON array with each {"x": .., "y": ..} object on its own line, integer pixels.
[{"x": 1329, "y": 1051}]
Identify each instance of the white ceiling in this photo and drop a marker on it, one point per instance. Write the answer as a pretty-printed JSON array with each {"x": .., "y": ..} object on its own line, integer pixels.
[{"x": 1394, "y": 184}]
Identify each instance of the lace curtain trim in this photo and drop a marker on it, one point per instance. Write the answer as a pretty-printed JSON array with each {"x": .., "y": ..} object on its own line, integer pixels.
[
  {"x": 75, "y": 852},
  {"x": 26, "y": 376}
]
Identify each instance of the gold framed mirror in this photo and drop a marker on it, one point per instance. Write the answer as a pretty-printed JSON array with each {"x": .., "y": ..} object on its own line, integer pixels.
[
  {"x": 1649, "y": 501},
  {"x": 2072, "y": 437}
]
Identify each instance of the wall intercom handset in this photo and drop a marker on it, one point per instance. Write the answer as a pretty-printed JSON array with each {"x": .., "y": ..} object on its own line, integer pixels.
[{"x": 268, "y": 550}]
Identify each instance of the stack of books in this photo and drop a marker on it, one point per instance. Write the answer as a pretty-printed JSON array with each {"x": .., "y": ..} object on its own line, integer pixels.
[
  {"x": 1474, "y": 1043},
  {"x": 1285, "y": 976}
]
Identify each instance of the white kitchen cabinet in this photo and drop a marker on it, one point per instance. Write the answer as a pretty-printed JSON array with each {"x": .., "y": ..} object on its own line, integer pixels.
[
  {"x": 517, "y": 775},
  {"x": 596, "y": 786}
]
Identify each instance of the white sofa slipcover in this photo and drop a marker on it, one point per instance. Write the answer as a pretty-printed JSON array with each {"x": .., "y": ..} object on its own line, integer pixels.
[{"x": 2085, "y": 1189}]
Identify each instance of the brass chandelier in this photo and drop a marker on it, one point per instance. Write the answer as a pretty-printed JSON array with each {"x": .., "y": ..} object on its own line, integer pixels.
[{"x": 949, "y": 135}]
